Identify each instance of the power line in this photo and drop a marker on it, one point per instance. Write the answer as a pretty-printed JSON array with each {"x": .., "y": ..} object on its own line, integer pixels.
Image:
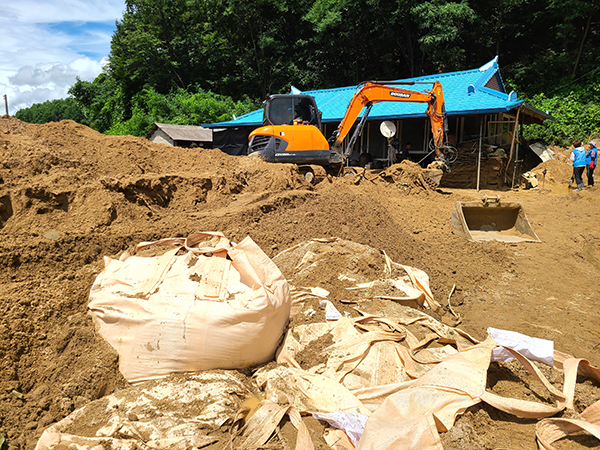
[
  {"x": 8, "y": 107},
  {"x": 573, "y": 81}
]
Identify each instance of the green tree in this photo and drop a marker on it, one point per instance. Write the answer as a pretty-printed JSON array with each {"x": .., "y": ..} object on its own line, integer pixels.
[
  {"x": 147, "y": 48},
  {"x": 574, "y": 25},
  {"x": 441, "y": 23},
  {"x": 576, "y": 115},
  {"x": 252, "y": 37},
  {"x": 238, "y": 48},
  {"x": 181, "y": 108},
  {"x": 355, "y": 40},
  {"x": 101, "y": 101},
  {"x": 52, "y": 111},
  {"x": 544, "y": 43}
]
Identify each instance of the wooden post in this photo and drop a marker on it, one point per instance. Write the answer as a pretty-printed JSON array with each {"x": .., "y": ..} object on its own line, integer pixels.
[
  {"x": 6, "y": 104},
  {"x": 481, "y": 119},
  {"x": 512, "y": 145}
]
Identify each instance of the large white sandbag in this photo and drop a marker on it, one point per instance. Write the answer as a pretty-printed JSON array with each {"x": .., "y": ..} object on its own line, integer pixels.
[
  {"x": 184, "y": 411},
  {"x": 206, "y": 304}
]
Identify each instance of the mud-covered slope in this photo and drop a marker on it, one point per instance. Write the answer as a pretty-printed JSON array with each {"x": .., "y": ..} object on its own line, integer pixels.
[{"x": 69, "y": 196}]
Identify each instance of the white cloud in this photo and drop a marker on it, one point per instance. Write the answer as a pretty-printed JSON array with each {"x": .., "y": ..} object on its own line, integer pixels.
[
  {"x": 56, "y": 74},
  {"x": 46, "y": 44},
  {"x": 52, "y": 11},
  {"x": 22, "y": 98}
]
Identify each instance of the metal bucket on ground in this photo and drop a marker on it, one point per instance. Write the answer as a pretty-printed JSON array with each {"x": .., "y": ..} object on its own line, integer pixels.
[{"x": 490, "y": 219}]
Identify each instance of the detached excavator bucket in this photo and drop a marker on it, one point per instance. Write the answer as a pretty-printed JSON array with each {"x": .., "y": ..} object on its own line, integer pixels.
[
  {"x": 490, "y": 219},
  {"x": 433, "y": 176}
]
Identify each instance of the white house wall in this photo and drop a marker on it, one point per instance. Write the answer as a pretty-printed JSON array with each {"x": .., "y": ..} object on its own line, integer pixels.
[{"x": 160, "y": 137}]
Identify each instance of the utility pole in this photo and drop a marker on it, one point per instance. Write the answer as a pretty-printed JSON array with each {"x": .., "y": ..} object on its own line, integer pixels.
[{"x": 6, "y": 104}]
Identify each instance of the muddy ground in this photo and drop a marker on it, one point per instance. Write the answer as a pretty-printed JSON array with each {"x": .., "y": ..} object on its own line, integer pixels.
[{"x": 69, "y": 196}]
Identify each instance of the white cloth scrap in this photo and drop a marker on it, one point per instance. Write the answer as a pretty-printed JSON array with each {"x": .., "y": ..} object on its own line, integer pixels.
[
  {"x": 351, "y": 423},
  {"x": 331, "y": 313},
  {"x": 540, "y": 350}
]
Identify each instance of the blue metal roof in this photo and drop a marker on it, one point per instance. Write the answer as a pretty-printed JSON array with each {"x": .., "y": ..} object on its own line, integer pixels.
[{"x": 464, "y": 93}]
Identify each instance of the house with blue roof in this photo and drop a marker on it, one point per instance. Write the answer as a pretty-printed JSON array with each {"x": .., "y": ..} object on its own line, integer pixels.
[{"x": 477, "y": 105}]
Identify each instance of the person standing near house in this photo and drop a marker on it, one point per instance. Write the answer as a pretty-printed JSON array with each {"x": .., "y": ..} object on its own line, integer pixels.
[
  {"x": 579, "y": 163},
  {"x": 365, "y": 160},
  {"x": 591, "y": 158},
  {"x": 405, "y": 151}
]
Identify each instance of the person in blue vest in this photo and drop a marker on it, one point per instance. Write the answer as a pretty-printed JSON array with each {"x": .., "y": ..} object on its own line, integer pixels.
[
  {"x": 591, "y": 159},
  {"x": 579, "y": 163}
]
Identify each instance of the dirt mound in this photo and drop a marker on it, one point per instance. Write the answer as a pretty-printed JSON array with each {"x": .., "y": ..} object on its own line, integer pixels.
[
  {"x": 348, "y": 272},
  {"x": 69, "y": 178},
  {"x": 410, "y": 176},
  {"x": 69, "y": 196},
  {"x": 558, "y": 170}
]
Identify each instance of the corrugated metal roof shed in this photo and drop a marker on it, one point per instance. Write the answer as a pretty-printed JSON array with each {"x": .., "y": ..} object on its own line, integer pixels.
[{"x": 476, "y": 91}]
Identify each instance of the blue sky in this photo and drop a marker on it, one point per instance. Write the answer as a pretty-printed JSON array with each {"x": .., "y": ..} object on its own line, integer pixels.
[{"x": 46, "y": 45}]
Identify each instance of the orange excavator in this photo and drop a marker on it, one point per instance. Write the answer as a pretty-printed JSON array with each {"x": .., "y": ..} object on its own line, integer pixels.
[{"x": 291, "y": 130}]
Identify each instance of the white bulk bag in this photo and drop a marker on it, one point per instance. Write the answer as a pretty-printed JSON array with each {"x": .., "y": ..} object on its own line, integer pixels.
[{"x": 206, "y": 304}]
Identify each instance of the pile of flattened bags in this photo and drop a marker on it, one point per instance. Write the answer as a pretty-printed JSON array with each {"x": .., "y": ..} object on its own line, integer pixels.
[{"x": 344, "y": 339}]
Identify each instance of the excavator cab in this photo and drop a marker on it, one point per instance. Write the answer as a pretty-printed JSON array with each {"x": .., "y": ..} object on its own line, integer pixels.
[
  {"x": 291, "y": 132},
  {"x": 284, "y": 109}
]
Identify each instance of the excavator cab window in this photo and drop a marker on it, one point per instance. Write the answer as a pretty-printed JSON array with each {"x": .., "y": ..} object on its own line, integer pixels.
[{"x": 285, "y": 109}]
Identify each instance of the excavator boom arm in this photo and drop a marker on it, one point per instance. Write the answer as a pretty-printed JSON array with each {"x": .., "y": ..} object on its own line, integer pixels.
[{"x": 373, "y": 92}]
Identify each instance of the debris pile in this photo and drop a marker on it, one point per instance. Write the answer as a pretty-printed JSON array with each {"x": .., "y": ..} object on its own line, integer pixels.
[
  {"x": 410, "y": 176},
  {"x": 382, "y": 372}
]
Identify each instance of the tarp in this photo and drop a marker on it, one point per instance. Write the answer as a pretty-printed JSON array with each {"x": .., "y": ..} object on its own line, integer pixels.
[{"x": 233, "y": 141}]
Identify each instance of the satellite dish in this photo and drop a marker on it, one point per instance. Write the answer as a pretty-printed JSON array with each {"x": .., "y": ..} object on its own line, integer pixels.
[{"x": 388, "y": 129}]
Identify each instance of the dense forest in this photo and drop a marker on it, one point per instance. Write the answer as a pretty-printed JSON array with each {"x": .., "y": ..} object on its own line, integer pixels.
[{"x": 199, "y": 61}]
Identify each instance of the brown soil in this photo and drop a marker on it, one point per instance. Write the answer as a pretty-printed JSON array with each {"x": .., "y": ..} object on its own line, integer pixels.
[{"x": 69, "y": 196}]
